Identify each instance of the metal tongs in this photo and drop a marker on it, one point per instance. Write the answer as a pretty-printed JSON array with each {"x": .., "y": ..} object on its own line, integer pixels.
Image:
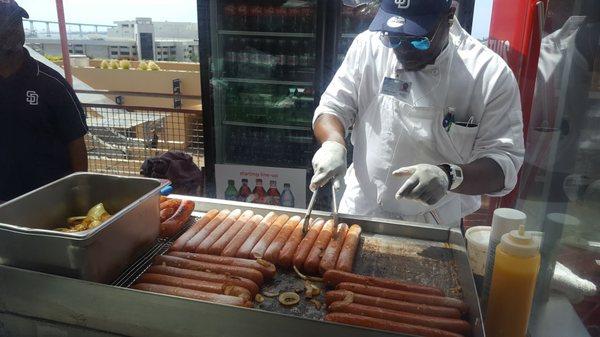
[
  {"x": 306, "y": 219},
  {"x": 311, "y": 205},
  {"x": 334, "y": 210}
]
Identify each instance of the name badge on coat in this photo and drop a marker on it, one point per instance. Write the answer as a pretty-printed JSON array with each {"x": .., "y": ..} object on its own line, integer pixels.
[{"x": 395, "y": 87}]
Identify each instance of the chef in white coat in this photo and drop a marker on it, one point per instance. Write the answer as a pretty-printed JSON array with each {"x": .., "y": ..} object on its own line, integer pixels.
[{"x": 434, "y": 116}]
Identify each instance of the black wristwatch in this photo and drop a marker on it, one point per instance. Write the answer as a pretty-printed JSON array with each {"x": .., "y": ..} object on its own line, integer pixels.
[{"x": 455, "y": 175}]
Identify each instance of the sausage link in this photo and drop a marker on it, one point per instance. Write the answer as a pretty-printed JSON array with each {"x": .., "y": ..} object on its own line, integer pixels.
[
  {"x": 198, "y": 225},
  {"x": 225, "y": 239},
  {"x": 162, "y": 199},
  {"x": 197, "y": 239},
  {"x": 205, "y": 276},
  {"x": 266, "y": 268},
  {"x": 238, "y": 240},
  {"x": 206, "y": 286},
  {"x": 272, "y": 253},
  {"x": 261, "y": 246},
  {"x": 286, "y": 255},
  {"x": 166, "y": 213},
  {"x": 415, "y": 308},
  {"x": 404, "y": 296},
  {"x": 220, "y": 230},
  {"x": 170, "y": 203},
  {"x": 382, "y": 324},
  {"x": 175, "y": 223},
  {"x": 447, "y": 324},
  {"x": 335, "y": 277},
  {"x": 346, "y": 259},
  {"x": 307, "y": 242},
  {"x": 311, "y": 265},
  {"x": 178, "y": 262},
  {"x": 332, "y": 252},
  {"x": 246, "y": 248},
  {"x": 194, "y": 294}
]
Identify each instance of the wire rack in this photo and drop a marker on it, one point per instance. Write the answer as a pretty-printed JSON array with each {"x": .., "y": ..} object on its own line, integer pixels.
[{"x": 120, "y": 138}]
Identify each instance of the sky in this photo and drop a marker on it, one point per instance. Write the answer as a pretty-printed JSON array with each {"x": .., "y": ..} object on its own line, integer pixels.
[{"x": 107, "y": 11}]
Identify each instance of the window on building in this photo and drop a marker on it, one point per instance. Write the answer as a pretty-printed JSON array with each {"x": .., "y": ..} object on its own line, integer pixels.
[{"x": 114, "y": 52}]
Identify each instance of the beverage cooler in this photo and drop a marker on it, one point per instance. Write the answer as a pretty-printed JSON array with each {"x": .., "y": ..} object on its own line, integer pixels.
[{"x": 264, "y": 65}]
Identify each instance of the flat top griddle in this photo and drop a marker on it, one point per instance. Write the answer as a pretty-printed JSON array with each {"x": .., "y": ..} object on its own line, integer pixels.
[{"x": 412, "y": 260}]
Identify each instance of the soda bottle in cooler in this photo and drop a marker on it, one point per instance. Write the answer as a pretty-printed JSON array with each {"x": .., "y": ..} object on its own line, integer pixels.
[
  {"x": 269, "y": 18},
  {"x": 229, "y": 17},
  {"x": 269, "y": 59},
  {"x": 230, "y": 57},
  {"x": 273, "y": 193},
  {"x": 280, "y": 59},
  {"x": 259, "y": 192},
  {"x": 255, "y": 18},
  {"x": 293, "y": 19},
  {"x": 231, "y": 192},
  {"x": 281, "y": 14},
  {"x": 245, "y": 191},
  {"x": 291, "y": 60},
  {"x": 287, "y": 198},
  {"x": 306, "y": 19},
  {"x": 242, "y": 16},
  {"x": 254, "y": 59},
  {"x": 242, "y": 58},
  {"x": 304, "y": 64}
]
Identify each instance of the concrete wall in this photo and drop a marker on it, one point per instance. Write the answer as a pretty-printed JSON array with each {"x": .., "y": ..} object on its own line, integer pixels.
[{"x": 157, "y": 82}]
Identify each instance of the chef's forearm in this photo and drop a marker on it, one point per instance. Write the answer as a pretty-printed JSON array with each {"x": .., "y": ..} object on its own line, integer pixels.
[
  {"x": 482, "y": 176},
  {"x": 328, "y": 127},
  {"x": 78, "y": 155}
]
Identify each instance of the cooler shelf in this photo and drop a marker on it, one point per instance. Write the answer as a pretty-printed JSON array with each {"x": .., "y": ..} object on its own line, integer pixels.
[
  {"x": 265, "y": 34},
  {"x": 274, "y": 82},
  {"x": 268, "y": 126}
]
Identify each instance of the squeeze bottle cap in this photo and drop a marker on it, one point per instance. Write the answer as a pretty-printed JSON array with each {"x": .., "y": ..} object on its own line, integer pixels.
[{"x": 519, "y": 243}]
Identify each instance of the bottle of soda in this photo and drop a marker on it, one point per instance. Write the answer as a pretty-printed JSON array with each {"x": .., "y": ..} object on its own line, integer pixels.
[
  {"x": 269, "y": 19},
  {"x": 242, "y": 58},
  {"x": 242, "y": 16},
  {"x": 287, "y": 198},
  {"x": 245, "y": 191},
  {"x": 280, "y": 59},
  {"x": 306, "y": 19},
  {"x": 231, "y": 192},
  {"x": 259, "y": 192},
  {"x": 254, "y": 59},
  {"x": 291, "y": 60},
  {"x": 273, "y": 193},
  {"x": 230, "y": 58},
  {"x": 281, "y": 14},
  {"x": 255, "y": 18},
  {"x": 269, "y": 58},
  {"x": 293, "y": 19},
  {"x": 229, "y": 16},
  {"x": 304, "y": 61}
]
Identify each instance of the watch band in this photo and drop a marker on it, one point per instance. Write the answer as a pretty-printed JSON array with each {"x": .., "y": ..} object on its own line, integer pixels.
[{"x": 457, "y": 176}]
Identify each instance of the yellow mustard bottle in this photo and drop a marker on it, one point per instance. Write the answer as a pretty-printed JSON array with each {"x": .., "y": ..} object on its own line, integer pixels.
[{"x": 513, "y": 284}]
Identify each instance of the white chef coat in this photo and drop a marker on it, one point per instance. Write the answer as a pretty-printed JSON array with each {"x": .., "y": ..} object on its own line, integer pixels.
[{"x": 477, "y": 83}]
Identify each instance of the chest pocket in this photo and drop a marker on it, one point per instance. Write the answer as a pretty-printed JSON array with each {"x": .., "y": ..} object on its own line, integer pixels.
[{"x": 463, "y": 140}]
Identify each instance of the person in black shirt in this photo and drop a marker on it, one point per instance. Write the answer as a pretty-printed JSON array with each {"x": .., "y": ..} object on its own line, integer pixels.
[{"x": 42, "y": 123}]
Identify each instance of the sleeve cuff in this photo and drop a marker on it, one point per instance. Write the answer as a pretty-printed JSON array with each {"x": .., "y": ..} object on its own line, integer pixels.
[{"x": 510, "y": 170}]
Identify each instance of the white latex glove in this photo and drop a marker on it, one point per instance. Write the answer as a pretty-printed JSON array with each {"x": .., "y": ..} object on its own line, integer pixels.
[
  {"x": 329, "y": 163},
  {"x": 571, "y": 285},
  {"x": 427, "y": 183}
]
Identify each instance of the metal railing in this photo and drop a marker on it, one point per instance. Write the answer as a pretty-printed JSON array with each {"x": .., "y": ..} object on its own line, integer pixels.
[{"x": 120, "y": 137}]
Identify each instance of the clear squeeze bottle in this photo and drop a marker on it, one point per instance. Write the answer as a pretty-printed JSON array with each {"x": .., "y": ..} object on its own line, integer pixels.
[{"x": 513, "y": 284}]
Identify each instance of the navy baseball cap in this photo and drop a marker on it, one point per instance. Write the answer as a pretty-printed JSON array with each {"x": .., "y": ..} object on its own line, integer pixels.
[
  {"x": 10, "y": 9},
  {"x": 409, "y": 17}
]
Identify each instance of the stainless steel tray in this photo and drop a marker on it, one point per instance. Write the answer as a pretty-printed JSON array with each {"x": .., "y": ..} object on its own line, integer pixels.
[
  {"x": 437, "y": 252},
  {"x": 96, "y": 255}
]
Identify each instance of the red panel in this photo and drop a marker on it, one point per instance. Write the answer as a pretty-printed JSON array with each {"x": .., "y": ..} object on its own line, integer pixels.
[{"x": 515, "y": 35}]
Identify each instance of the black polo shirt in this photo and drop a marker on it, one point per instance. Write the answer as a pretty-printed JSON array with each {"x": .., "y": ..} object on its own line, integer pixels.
[{"x": 39, "y": 116}]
